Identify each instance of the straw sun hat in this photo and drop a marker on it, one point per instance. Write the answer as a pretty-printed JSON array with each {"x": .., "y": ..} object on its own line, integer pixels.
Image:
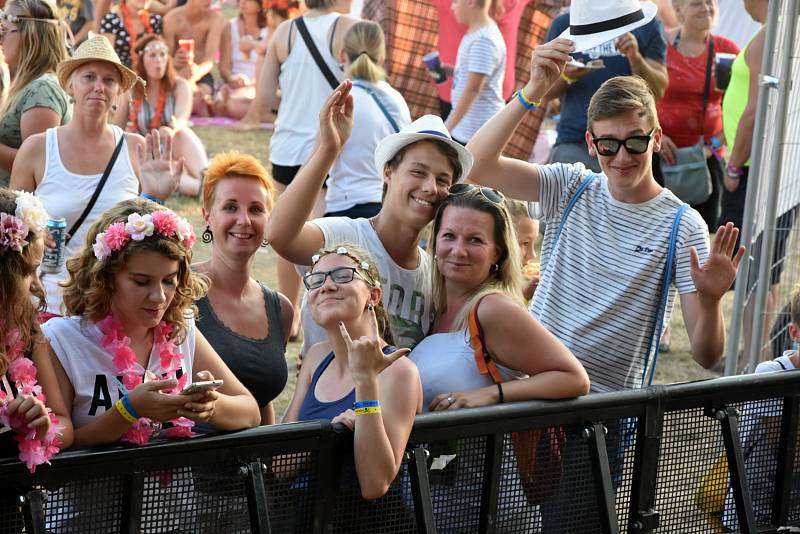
[{"x": 95, "y": 49}]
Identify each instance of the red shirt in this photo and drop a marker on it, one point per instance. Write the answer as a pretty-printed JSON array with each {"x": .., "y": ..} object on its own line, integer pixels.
[{"x": 681, "y": 108}]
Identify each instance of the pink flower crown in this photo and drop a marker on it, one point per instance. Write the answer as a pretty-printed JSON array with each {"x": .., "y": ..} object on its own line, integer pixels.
[
  {"x": 29, "y": 216},
  {"x": 164, "y": 223}
]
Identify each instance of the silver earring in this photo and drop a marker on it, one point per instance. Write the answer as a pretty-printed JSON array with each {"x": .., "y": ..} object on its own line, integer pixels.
[
  {"x": 114, "y": 107},
  {"x": 496, "y": 267}
]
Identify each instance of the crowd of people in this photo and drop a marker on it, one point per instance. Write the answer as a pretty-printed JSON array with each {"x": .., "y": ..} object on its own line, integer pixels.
[{"x": 414, "y": 239}]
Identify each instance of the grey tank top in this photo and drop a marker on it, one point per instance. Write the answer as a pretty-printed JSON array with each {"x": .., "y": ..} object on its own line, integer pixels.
[{"x": 260, "y": 364}]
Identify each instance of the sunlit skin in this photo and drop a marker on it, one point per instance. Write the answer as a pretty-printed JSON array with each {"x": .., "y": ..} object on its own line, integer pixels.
[
  {"x": 95, "y": 84},
  {"x": 630, "y": 176},
  {"x": 465, "y": 248},
  {"x": 238, "y": 215},
  {"x": 10, "y": 43},
  {"x": 155, "y": 62},
  {"x": 332, "y": 302},
  {"x": 527, "y": 235}
]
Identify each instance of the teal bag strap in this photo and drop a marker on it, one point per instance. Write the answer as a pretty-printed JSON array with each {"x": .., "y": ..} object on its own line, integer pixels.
[{"x": 571, "y": 204}]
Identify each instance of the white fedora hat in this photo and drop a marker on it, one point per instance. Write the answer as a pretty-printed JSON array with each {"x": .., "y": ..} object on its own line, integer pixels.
[
  {"x": 425, "y": 128},
  {"x": 594, "y": 22}
]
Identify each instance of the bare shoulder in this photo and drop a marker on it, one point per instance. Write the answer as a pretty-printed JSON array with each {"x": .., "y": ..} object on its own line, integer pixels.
[
  {"x": 34, "y": 144},
  {"x": 401, "y": 370},
  {"x": 497, "y": 307},
  {"x": 314, "y": 357},
  {"x": 174, "y": 15}
]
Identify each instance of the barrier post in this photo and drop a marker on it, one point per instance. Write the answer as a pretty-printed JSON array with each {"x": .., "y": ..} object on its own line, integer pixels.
[
  {"x": 491, "y": 483},
  {"x": 328, "y": 475},
  {"x": 649, "y": 431},
  {"x": 595, "y": 435},
  {"x": 256, "y": 496},
  {"x": 421, "y": 489},
  {"x": 132, "y": 493},
  {"x": 729, "y": 421},
  {"x": 33, "y": 511},
  {"x": 786, "y": 456}
]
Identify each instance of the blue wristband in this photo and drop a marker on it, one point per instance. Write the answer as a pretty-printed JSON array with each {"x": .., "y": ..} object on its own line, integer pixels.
[
  {"x": 152, "y": 198},
  {"x": 129, "y": 406},
  {"x": 527, "y": 104},
  {"x": 366, "y": 404}
]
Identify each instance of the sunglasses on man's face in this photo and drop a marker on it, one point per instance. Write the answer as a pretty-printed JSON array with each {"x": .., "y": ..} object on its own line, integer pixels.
[
  {"x": 635, "y": 144},
  {"x": 340, "y": 275},
  {"x": 492, "y": 195}
]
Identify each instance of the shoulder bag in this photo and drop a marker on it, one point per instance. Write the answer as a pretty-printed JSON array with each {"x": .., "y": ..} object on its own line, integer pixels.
[
  {"x": 690, "y": 178},
  {"x": 312, "y": 48}
]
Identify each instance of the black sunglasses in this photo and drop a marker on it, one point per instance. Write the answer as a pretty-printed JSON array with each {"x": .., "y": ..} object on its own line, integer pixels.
[
  {"x": 340, "y": 275},
  {"x": 635, "y": 144},
  {"x": 492, "y": 195}
]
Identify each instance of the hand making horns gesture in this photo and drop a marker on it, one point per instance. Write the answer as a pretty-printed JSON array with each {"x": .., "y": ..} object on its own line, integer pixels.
[{"x": 365, "y": 358}]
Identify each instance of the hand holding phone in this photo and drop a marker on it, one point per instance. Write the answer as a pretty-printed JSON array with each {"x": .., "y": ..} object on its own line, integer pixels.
[{"x": 200, "y": 387}]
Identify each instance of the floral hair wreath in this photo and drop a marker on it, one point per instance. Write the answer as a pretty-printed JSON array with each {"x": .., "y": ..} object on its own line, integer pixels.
[
  {"x": 344, "y": 252},
  {"x": 164, "y": 223},
  {"x": 29, "y": 216}
]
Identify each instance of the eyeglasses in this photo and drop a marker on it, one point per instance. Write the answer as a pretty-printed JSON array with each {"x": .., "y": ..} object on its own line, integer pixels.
[
  {"x": 340, "y": 275},
  {"x": 4, "y": 32},
  {"x": 492, "y": 195},
  {"x": 635, "y": 144}
]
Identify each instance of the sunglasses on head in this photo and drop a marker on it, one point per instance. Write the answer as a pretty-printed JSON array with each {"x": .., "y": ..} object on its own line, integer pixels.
[
  {"x": 492, "y": 195},
  {"x": 635, "y": 144},
  {"x": 340, "y": 275}
]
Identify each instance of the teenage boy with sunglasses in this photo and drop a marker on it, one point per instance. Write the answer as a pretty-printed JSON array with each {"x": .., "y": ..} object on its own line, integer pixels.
[
  {"x": 418, "y": 164},
  {"x": 601, "y": 282}
]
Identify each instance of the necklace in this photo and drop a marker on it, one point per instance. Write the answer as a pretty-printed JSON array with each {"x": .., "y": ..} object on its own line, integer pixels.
[
  {"x": 118, "y": 346},
  {"x": 127, "y": 21},
  {"x": 22, "y": 372},
  {"x": 155, "y": 120}
]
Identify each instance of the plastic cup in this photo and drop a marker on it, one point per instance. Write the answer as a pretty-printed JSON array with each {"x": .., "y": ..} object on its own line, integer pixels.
[
  {"x": 722, "y": 69},
  {"x": 434, "y": 64},
  {"x": 187, "y": 45}
]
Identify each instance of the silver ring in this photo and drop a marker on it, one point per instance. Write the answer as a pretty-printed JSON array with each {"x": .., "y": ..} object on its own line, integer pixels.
[{"x": 450, "y": 400}]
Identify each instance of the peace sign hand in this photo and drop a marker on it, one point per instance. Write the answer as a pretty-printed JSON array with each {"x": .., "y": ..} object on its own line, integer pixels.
[{"x": 365, "y": 357}]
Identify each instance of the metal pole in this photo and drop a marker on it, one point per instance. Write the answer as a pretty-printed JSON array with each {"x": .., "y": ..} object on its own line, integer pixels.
[
  {"x": 765, "y": 263},
  {"x": 753, "y": 182}
]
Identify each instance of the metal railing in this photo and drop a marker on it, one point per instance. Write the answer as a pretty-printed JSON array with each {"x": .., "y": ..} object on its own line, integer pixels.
[{"x": 650, "y": 460}]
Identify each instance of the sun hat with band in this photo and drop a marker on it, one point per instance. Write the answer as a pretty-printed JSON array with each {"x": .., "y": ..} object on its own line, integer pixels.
[
  {"x": 594, "y": 22},
  {"x": 96, "y": 49},
  {"x": 425, "y": 128}
]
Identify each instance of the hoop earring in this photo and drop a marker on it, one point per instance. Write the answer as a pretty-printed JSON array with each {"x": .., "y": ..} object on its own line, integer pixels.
[
  {"x": 496, "y": 267},
  {"x": 264, "y": 243},
  {"x": 207, "y": 237}
]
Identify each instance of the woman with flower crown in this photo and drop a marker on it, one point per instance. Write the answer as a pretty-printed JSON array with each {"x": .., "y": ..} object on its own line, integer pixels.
[{"x": 28, "y": 428}]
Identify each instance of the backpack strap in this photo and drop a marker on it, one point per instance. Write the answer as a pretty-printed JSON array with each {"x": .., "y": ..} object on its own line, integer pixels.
[
  {"x": 312, "y": 48},
  {"x": 657, "y": 327},
  {"x": 371, "y": 92},
  {"x": 483, "y": 359}
]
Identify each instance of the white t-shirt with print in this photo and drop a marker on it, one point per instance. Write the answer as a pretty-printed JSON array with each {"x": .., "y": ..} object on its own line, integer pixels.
[
  {"x": 407, "y": 294},
  {"x": 599, "y": 295}
]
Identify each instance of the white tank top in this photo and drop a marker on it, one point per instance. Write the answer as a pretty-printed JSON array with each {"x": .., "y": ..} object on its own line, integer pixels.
[
  {"x": 90, "y": 368},
  {"x": 303, "y": 91},
  {"x": 446, "y": 363},
  {"x": 66, "y": 194},
  {"x": 241, "y": 64}
]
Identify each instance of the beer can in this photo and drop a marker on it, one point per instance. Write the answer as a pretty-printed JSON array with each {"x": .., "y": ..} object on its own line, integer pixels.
[{"x": 54, "y": 257}]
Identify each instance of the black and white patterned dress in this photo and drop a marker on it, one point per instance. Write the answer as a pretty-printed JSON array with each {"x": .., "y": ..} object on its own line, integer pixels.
[{"x": 112, "y": 23}]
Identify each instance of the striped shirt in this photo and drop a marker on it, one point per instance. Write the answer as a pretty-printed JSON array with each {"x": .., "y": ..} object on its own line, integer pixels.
[
  {"x": 483, "y": 52},
  {"x": 600, "y": 292}
]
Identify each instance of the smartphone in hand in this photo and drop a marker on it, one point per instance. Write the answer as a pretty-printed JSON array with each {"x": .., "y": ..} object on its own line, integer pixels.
[{"x": 200, "y": 387}]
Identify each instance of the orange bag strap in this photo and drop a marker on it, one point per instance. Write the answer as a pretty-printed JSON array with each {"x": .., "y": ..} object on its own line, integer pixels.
[{"x": 482, "y": 357}]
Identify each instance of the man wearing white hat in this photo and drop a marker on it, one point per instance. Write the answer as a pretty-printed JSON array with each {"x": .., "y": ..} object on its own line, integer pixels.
[
  {"x": 615, "y": 39},
  {"x": 418, "y": 165},
  {"x": 605, "y": 254}
]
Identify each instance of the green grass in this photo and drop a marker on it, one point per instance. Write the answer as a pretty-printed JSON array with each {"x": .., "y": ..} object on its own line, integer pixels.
[{"x": 675, "y": 366}]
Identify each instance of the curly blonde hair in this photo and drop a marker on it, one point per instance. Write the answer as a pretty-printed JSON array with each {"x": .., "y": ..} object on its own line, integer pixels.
[
  {"x": 90, "y": 286},
  {"x": 19, "y": 311}
]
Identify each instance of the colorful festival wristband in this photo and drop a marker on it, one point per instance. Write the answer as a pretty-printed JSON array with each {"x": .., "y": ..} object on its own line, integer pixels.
[
  {"x": 526, "y": 103},
  {"x": 368, "y": 410},
  {"x": 129, "y": 406},
  {"x": 366, "y": 404},
  {"x": 124, "y": 412},
  {"x": 152, "y": 198}
]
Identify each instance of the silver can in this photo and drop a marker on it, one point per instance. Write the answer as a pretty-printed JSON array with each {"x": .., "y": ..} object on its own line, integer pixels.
[{"x": 54, "y": 257}]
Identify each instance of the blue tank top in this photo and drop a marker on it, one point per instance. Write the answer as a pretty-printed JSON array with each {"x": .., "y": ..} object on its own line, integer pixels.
[{"x": 312, "y": 408}]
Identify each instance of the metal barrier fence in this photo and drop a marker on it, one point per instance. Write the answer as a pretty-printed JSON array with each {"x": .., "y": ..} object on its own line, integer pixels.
[
  {"x": 636, "y": 461},
  {"x": 772, "y": 267}
]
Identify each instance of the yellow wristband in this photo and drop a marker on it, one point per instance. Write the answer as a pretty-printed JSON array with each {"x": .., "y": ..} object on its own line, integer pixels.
[
  {"x": 124, "y": 412},
  {"x": 368, "y": 410},
  {"x": 568, "y": 79}
]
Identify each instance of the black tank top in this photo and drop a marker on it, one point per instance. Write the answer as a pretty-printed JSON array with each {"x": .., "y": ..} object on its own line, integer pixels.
[{"x": 260, "y": 364}]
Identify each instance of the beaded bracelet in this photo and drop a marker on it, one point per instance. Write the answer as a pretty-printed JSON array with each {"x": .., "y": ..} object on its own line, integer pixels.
[
  {"x": 526, "y": 103},
  {"x": 368, "y": 410},
  {"x": 366, "y": 404},
  {"x": 129, "y": 406},
  {"x": 124, "y": 412}
]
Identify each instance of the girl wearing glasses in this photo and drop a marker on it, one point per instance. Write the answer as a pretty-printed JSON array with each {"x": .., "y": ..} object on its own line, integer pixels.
[
  {"x": 356, "y": 377},
  {"x": 33, "y": 45},
  {"x": 476, "y": 269}
]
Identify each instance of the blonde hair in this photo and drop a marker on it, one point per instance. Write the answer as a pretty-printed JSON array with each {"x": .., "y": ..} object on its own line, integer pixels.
[
  {"x": 620, "y": 95},
  {"x": 365, "y": 46},
  {"x": 41, "y": 45},
  {"x": 517, "y": 209},
  {"x": 506, "y": 278},
  {"x": 358, "y": 255},
  {"x": 88, "y": 290},
  {"x": 19, "y": 311}
]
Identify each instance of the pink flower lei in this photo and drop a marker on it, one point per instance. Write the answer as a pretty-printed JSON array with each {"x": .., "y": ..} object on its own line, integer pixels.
[
  {"x": 118, "y": 346},
  {"x": 164, "y": 223},
  {"x": 22, "y": 372}
]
